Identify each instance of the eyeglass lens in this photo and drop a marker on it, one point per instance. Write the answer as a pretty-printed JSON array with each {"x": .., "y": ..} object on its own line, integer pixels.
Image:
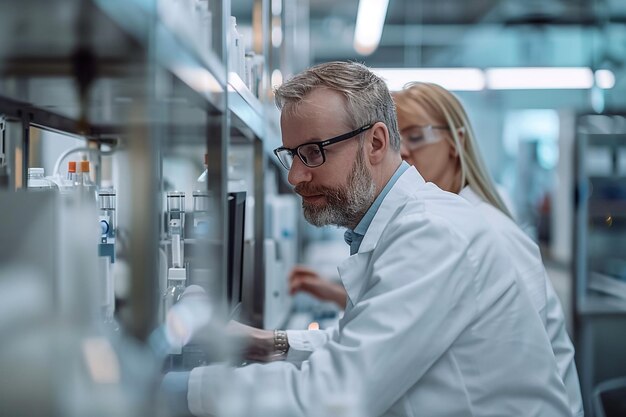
[
  {"x": 285, "y": 157},
  {"x": 311, "y": 155}
]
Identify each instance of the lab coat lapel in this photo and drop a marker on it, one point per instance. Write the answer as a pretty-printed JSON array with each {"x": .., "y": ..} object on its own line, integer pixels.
[{"x": 353, "y": 271}]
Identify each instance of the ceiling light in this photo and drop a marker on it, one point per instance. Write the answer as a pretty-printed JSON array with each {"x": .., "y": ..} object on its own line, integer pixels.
[
  {"x": 276, "y": 79},
  {"x": 605, "y": 79},
  {"x": 369, "y": 25},
  {"x": 533, "y": 78},
  {"x": 455, "y": 79}
]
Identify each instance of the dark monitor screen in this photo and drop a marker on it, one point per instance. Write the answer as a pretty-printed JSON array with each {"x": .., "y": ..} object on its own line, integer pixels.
[{"x": 236, "y": 223}]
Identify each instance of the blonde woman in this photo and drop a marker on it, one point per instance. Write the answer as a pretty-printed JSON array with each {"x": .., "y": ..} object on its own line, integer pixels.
[{"x": 438, "y": 140}]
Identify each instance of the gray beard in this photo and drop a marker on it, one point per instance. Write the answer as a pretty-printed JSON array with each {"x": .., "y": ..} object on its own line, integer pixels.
[{"x": 347, "y": 205}]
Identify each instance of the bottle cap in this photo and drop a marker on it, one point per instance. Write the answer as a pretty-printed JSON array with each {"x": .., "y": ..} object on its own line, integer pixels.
[
  {"x": 84, "y": 166},
  {"x": 71, "y": 166}
]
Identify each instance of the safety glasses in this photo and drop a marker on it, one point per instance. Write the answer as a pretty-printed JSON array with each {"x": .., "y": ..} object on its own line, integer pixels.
[{"x": 414, "y": 137}]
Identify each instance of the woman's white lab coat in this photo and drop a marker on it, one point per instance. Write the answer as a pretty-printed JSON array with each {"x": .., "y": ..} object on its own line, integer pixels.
[
  {"x": 525, "y": 257},
  {"x": 436, "y": 325}
]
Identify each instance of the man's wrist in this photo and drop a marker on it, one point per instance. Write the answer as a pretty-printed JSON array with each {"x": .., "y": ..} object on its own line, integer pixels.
[{"x": 281, "y": 343}]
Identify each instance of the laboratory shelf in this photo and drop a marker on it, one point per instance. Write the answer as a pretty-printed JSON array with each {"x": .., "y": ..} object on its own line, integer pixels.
[
  {"x": 251, "y": 119},
  {"x": 108, "y": 42},
  {"x": 200, "y": 69},
  {"x": 124, "y": 37},
  {"x": 39, "y": 117},
  {"x": 246, "y": 108}
]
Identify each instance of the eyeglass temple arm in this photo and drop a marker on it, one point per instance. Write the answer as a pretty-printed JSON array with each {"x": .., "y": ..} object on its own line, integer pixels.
[{"x": 346, "y": 136}]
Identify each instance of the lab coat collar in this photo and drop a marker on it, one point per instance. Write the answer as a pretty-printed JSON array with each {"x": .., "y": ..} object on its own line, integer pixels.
[
  {"x": 470, "y": 195},
  {"x": 406, "y": 186},
  {"x": 352, "y": 270}
]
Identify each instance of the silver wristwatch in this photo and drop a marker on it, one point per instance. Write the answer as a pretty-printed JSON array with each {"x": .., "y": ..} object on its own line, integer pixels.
[{"x": 281, "y": 344}]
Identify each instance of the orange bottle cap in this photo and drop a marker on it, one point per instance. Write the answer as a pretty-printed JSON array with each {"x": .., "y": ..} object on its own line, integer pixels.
[
  {"x": 84, "y": 166},
  {"x": 71, "y": 166}
]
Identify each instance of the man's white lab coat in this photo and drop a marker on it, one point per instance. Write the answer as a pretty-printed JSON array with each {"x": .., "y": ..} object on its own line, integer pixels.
[{"x": 436, "y": 325}]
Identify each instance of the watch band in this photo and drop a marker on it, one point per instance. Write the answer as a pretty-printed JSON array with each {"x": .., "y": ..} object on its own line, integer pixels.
[{"x": 281, "y": 344}]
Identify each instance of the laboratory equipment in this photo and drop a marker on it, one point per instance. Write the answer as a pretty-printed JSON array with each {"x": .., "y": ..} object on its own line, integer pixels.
[
  {"x": 37, "y": 181},
  {"x": 177, "y": 273},
  {"x": 175, "y": 288},
  {"x": 122, "y": 107},
  {"x": 50, "y": 321},
  {"x": 176, "y": 225},
  {"x": 599, "y": 259},
  {"x": 201, "y": 213},
  {"x": 280, "y": 257},
  {"x": 107, "y": 207},
  {"x": 106, "y": 252},
  {"x": 236, "y": 227}
]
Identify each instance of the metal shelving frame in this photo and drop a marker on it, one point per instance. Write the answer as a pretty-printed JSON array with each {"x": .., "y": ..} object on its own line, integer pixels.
[{"x": 119, "y": 52}]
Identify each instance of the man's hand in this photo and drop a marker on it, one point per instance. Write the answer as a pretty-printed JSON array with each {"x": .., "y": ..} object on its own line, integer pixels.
[
  {"x": 257, "y": 344},
  {"x": 307, "y": 280}
]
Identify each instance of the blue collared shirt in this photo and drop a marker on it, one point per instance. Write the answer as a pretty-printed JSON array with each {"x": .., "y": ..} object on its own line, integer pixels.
[{"x": 355, "y": 237}]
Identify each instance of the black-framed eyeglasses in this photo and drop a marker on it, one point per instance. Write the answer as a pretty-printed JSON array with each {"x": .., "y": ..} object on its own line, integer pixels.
[
  {"x": 414, "y": 137},
  {"x": 312, "y": 153}
]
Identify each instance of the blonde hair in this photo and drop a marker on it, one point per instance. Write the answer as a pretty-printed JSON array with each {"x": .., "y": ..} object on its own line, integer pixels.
[
  {"x": 446, "y": 108},
  {"x": 367, "y": 96}
]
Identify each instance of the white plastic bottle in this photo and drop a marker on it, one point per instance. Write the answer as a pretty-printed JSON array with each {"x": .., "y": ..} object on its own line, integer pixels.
[
  {"x": 84, "y": 181},
  {"x": 68, "y": 183},
  {"x": 203, "y": 177},
  {"x": 204, "y": 17},
  {"x": 236, "y": 53},
  {"x": 241, "y": 58}
]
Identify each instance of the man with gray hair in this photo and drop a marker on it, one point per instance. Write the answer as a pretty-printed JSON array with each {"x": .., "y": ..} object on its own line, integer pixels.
[{"x": 436, "y": 323}]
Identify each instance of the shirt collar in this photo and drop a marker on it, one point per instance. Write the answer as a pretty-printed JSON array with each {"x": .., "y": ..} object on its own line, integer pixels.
[{"x": 354, "y": 237}]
